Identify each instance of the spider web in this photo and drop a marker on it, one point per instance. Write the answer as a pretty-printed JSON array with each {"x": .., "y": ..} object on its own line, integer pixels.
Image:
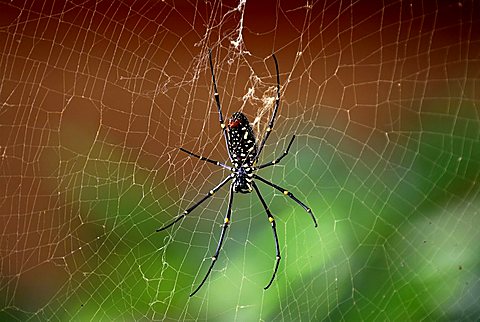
[{"x": 97, "y": 97}]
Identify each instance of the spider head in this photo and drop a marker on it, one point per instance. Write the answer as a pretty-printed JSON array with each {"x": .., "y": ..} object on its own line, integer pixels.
[{"x": 238, "y": 120}]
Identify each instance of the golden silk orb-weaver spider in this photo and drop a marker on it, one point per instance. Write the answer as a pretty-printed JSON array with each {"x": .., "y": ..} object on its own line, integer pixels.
[{"x": 243, "y": 152}]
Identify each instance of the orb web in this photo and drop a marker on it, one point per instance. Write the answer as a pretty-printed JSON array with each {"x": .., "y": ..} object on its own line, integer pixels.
[{"x": 97, "y": 97}]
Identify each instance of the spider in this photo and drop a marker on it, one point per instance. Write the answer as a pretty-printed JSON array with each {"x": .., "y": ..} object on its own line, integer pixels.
[{"x": 243, "y": 152}]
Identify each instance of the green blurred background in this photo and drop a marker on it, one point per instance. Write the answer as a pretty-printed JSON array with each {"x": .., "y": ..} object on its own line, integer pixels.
[{"x": 97, "y": 97}]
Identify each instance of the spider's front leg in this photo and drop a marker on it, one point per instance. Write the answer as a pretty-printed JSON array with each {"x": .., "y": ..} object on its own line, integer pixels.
[
  {"x": 219, "y": 106},
  {"x": 272, "y": 120},
  {"x": 279, "y": 158}
]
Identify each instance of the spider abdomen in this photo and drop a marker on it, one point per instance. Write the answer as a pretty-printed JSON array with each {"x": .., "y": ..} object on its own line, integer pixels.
[
  {"x": 242, "y": 142},
  {"x": 243, "y": 150}
]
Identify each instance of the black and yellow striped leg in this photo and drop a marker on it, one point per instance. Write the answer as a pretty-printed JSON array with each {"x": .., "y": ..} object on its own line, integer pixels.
[
  {"x": 274, "y": 228},
  {"x": 206, "y": 159},
  {"x": 219, "y": 107},
  {"x": 279, "y": 158},
  {"x": 272, "y": 119},
  {"x": 198, "y": 203},
  {"x": 289, "y": 194},
  {"x": 226, "y": 223}
]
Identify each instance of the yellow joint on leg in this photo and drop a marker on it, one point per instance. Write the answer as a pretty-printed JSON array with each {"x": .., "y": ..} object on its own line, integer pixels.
[
  {"x": 270, "y": 219},
  {"x": 212, "y": 192},
  {"x": 227, "y": 221},
  {"x": 269, "y": 129},
  {"x": 286, "y": 192},
  {"x": 222, "y": 126},
  {"x": 309, "y": 210}
]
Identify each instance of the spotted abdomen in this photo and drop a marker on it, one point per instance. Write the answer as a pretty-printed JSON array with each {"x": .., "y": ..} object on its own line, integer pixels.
[{"x": 242, "y": 144}]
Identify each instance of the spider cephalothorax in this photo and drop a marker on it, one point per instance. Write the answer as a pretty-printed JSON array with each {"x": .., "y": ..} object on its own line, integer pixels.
[
  {"x": 243, "y": 150},
  {"x": 243, "y": 153}
]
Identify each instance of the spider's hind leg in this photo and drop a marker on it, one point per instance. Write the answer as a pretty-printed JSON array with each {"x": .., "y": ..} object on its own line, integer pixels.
[
  {"x": 290, "y": 195},
  {"x": 274, "y": 228},
  {"x": 226, "y": 223},
  {"x": 198, "y": 203}
]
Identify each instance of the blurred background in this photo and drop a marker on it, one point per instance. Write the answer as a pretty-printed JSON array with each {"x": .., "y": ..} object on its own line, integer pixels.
[{"x": 96, "y": 97}]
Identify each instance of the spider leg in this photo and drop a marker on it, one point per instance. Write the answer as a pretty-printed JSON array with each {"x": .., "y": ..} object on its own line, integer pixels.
[
  {"x": 279, "y": 158},
  {"x": 198, "y": 203},
  {"x": 219, "y": 107},
  {"x": 289, "y": 194},
  {"x": 274, "y": 228},
  {"x": 272, "y": 120},
  {"x": 220, "y": 242},
  {"x": 206, "y": 159}
]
